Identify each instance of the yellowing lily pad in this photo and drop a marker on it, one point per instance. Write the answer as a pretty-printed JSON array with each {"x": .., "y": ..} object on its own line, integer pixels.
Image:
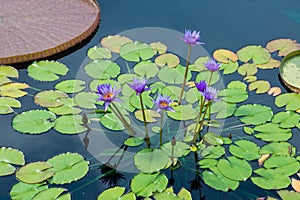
[
  {"x": 150, "y": 115},
  {"x": 49, "y": 98},
  {"x": 6, "y": 72},
  {"x": 13, "y": 89},
  {"x": 224, "y": 56},
  {"x": 169, "y": 60},
  {"x": 270, "y": 65},
  {"x": 283, "y": 46},
  {"x": 7, "y": 103},
  {"x": 158, "y": 47},
  {"x": 114, "y": 42}
]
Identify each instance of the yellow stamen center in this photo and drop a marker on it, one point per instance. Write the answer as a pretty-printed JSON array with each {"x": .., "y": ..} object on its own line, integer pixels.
[
  {"x": 164, "y": 104},
  {"x": 108, "y": 95}
]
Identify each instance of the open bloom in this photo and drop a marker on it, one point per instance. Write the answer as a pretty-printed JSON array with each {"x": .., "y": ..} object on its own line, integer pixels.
[
  {"x": 139, "y": 86},
  {"x": 107, "y": 94},
  {"x": 212, "y": 65},
  {"x": 163, "y": 103},
  {"x": 201, "y": 86},
  {"x": 191, "y": 38},
  {"x": 210, "y": 94}
]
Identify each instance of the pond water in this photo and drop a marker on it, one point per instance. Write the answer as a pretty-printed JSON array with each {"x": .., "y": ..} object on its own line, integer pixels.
[{"x": 230, "y": 25}]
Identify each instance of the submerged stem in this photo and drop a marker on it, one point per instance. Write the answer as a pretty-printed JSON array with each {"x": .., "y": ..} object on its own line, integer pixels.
[
  {"x": 117, "y": 112},
  {"x": 147, "y": 139},
  {"x": 201, "y": 123},
  {"x": 161, "y": 126},
  {"x": 202, "y": 101}
]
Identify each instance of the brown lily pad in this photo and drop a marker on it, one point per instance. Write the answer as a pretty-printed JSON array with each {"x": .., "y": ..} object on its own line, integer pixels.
[
  {"x": 283, "y": 46},
  {"x": 35, "y": 29}
]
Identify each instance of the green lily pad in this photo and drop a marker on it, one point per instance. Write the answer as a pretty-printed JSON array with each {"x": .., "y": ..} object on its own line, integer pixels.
[
  {"x": 135, "y": 51},
  {"x": 13, "y": 90},
  {"x": 149, "y": 114},
  {"x": 180, "y": 149},
  {"x": 114, "y": 42},
  {"x": 46, "y": 70},
  {"x": 290, "y": 100},
  {"x": 272, "y": 132},
  {"x": 158, "y": 47},
  {"x": 24, "y": 191},
  {"x": 199, "y": 64},
  {"x": 49, "y": 98},
  {"x": 260, "y": 86},
  {"x": 67, "y": 108},
  {"x": 94, "y": 84},
  {"x": 7, "y": 72},
  {"x": 10, "y": 156},
  {"x": 52, "y": 194},
  {"x": 68, "y": 167},
  {"x": 102, "y": 69},
  {"x": 126, "y": 78},
  {"x": 173, "y": 75},
  {"x": 254, "y": 114},
  {"x": 286, "y": 119},
  {"x": 35, "y": 172},
  {"x": 7, "y": 104},
  {"x": 237, "y": 84},
  {"x": 146, "y": 184},
  {"x": 250, "y": 79},
  {"x": 112, "y": 193},
  {"x": 70, "y": 124},
  {"x": 98, "y": 53},
  {"x": 34, "y": 121},
  {"x": 278, "y": 148},
  {"x": 213, "y": 152},
  {"x": 205, "y": 76},
  {"x": 146, "y": 69},
  {"x": 223, "y": 109},
  {"x": 245, "y": 149},
  {"x": 233, "y": 95},
  {"x": 183, "y": 112},
  {"x": 247, "y": 69},
  {"x": 192, "y": 95},
  {"x": 207, "y": 163},
  {"x": 230, "y": 67},
  {"x": 86, "y": 100},
  {"x": 288, "y": 165},
  {"x": 112, "y": 122},
  {"x": 70, "y": 86},
  {"x": 288, "y": 195},
  {"x": 290, "y": 70},
  {"x": 167, "y": 60},
  {"x": 172, "y": 91},
  {"x": 283, "y": 46},
  {"x": 270, "y": 65},
  {"x": 147, "y": 100},
  {"x": 257, "y": 54},
  {"x": 134, "y": 141},
  {"x": 149, "y": 161},
  {"x": 213, "y": 139}
]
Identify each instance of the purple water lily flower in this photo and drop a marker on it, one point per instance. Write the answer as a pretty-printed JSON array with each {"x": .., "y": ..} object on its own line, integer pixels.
[
  {"x": 212, "y": 65},
  {"x": 192, "y": 38},
  {"x": 210, "y": 94},
  {"x": 139, "y": 86},
  {"x": 163, "y": 103},
  {"x": 201, "y": 86},
  {"x": 107, "y": 94}
]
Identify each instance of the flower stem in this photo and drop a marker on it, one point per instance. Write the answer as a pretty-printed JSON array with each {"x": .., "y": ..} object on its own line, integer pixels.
[
  {"x": 210, "y": 78},
  {"x": 201, "y": 123},
  {"x": 117, "y": 112},
  {"x": 161, "y": 126},
  {"x": 202, "y": 101},
  {"x": 185, "y": 74},
  {"x": 147, "y": 139}
]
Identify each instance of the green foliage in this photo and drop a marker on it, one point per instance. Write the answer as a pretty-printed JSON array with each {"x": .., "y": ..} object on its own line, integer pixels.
[
  {"x": 167, "y": 60},
  {"x": 7, "y": 72},
  {"x": 183, "y": 112},
  {"x": 9, "y": 157},
  {"x": 7, "y": 104},
  {"x": 116, "y": 193},
  {"x": 278, "y": 148},
  {"x": 257, "y": 54},
  {"x": 134, "y": 141},
  {"x": 49, "y": 98},
  {"x": 146, "y": 69},
  {"x": 180, "y": 149},
  {"x": 173, "y": 75},
  {"x": 102, "y": 69},
  {"x": 233, "y": 95},
  {"x": 52, "y": 193},
  {"x": 135, "y": 51},
  {"x": 290, "y": 100},
  {"x": 245, "y": 149},
  {"x": 69, "y": 124},
  {"x": 26, "y": 191},
  {"x": 70, "y": 86},
  {"x": 254, "y": 114},
  {"x": 272, "y": 132},
  {"x": 98, "y": 53}
]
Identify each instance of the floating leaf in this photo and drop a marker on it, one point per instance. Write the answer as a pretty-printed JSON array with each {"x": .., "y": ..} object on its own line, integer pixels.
[
  {"x": 7, "y": 103},
  {"x": 288, "y": 195},
  {"x": 102, "y": 69},
  {"x": 213, "y": 152},
  {"x": 167, "y": 60},
  {"x": 247, "y": 69},
  {"x": 290, "y": 71},
  {"x": 183, "y": 112},
  {"x": 13, "y": 89},
  {"x": 233, "y": 95},
  {"x": 184, "y": 194},
  {"x": 146, "y": 184},
  {"x": 134, "y": 141},
  {"x": 147, "y": 100},
  {"x": 158, "y": 47},
  {"x": 94, "y": 84},
  {"x": 10, "y": 156},
  {"x": 278, "y": 148},
  {"x": 213, "y": 139},
  {"x": 7, "y": 71},
  {"x": 259, "y": 86},
  {"x": 205, "y": 76},
  {"x": 70, "y": 124},
  {"x": 237, "y": 84},
  {"x": 180, "y": 149},
  {"x": 166, "y": 196},
  {"x": 286, "y": 119},
  {"x": 46, "y": 70},
  {"x": 224, "y": 56},
  {"x": 257, "y": 54},
  {"x": 284, "y": 46},
  {"x": 172, "y": 91},
  {"x": 262, "y": 159},
  {"x": 275, "y": 91},
  {"x": 290, "y": 100},
  {"x": 229, "y": 68},
  {"x": 254, "y": 114},
  {"x": 112, "y": 122},
  {"x": 272, "y": 132},
  {"x": 135, "y": 51},
  {"x": 67, "y": 108},
  {"x": 86, "y": 100},
  {"x": 199, "y": 64},
  {"x": 192, "y": 95},
  {"x": 34, "y": 121},
  {"x": 35, "y": 172},
  {"x": 70, "y": 86},
  {"x": 26, "y": 191},
  {"x": 235, "y": 168},
  {"x": 223, "y": 109},
  {"x": 296, "y": 185},
  {"x": 114, "y": 42},
  {"x": 98, "y": 53},
  {"x": 173, "y": 75},
  {"x": 270, "y": 65},
  {"x": 245, "y": 149},
  {"x": 286, "y": 164},
  {"x": 250, "y": 79},
  {"x": 68, "y": 167},
  {"x": 125, "y": 78},
  {"x": 112, "y": 193},
  {"x": 49, "y": 98},
  {"x": 52, "y": 193},
  {"x": 207, "y": 163},
  {"x": 146, "y": 69},
  {"x": 149, "y": 114},
  {"x": 149, "y": 161}
]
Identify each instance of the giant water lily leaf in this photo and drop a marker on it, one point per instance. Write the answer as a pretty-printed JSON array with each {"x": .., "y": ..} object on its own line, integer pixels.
[
  {"x": 286, "y": 119},
  {"x": 68, "y": 167},
  {"x": 290, "y": 100},
  {"x": 173, "y": 75},
  {"x": 167, "y": 60},
  {"x": 247, "y": 69},
  {"x": 150, "y": 115},
  {"x": 283, "y": 46},
  {"x": 146, "y": 69},
  {"x": 225, "y": 55},
  {"x": 270, "y": 179},
  {"x": 52, "y": 194},
  {"x": 288, "y": 195},
  {"x": 233, "y": 95},
  {"x": 158, "y": 47},
  {"x": 257, "y": 54},
  {"x": 13, "y": 89},
  {"x": 260, "y": 86},
  {"x": 86, "y": 100},
  {"x": 70, "y": 124},
  {"x": 67, "y": 108},
  {"x": 49, "y": 98},
  {"x": 218, "y": 181},
  {"x": 205, "y": 76},
  {"x": 34, "y": 121},
  {"x": 198, "y": 65},
  {"x": 278, "y": 148},
  {"x": 146, "y": 184},
  {"x": 245, "y": 149},
  {"x": 183, "y": 112},
  {"x": 254, "y": 114},
  {"x": 149, "y": 161},
  {"x": 9, "y": 156},
  {"x": 112, "y": 122},
  {"x": 235, "y": 168},
  {"x": 172, "y": 91},
  {"x": 192, "y": 95},
  {"x": 135, "y": 51},
  {"x": 270, "y": 65},
  {"x": 98, "y": 53},
  {"x": 35, "y": 172},
  {"x": 180, "y": 149},
  {"x": 47, "y": 70},
  {"x": 26, "y": 191},
  {"x": 272, "y": 132},
  {"x": 114, "y": 42},
  {"x": 230, "y": 67},
  {"x": 288, "y": 165},
  {"x": 7, "y": 72},
  {"x": 70, "y": 86},
  {"x": 290, "y": 72},
  {"x": 213, "y": 152},
  {"x": 102, "y": 69},
  {"x": 223, "y": 109},
  {"x": 7, "y": 104}
]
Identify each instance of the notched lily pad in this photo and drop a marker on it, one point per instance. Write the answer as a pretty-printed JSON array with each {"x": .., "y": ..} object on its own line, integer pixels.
[
  {"x": 158, "y": 47},
  {"x": 254, "y": 114},
  {"x": 283, "y": 46},
  {"x": 7, "y": 72},
  {"x": 115, "y": 42},
  {"x": 257, "y": 54},
  {"x": 49, "y": 98},
  {"x": 245, "y": 149},
  {"x": 167, "y": 60},
  {"x": 260, "y": 86},
  {"x": 99, "y": 53},
  {"x": 146, "y": 69},
  {"x": 102, "y": 69},
  {"x": 225, "y": 55},
  {"x": 14, "y": 90},
  {"x": 52, "y": 193},
  {"x": 70, "y": 86},
  {"x": 183, "y": 112},
  {"x": 26, "y": 191},
  {"x": 290, "y": 100},
  {"x": 70, "y": 124},
  {"x": 136, "y": 51},
  {"x": 7, "y": 104},
  {"x": 149, "y": 114},
  {"x": 9, "y": 157}
]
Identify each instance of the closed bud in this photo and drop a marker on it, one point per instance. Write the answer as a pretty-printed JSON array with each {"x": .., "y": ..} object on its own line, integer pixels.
[{"x": 173, "y": 141}]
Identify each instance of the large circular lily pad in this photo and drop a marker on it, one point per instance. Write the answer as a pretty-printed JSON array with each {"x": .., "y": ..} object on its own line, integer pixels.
[{"x": 35, "y": 29}]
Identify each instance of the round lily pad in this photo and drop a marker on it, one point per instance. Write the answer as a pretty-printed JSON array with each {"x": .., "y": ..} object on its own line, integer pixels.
[
  {"x": 6, "y": 72},
  {"x": 114, "y": 42},
  {"x": 13, "y": 90},
  {"x": 49, "y": 98},
  {"x": 7, "y": 104},
  {"x": 254, "y": 114},
  {"x": 69, "y": 124},
  {"x": 102, "y": 69},
  {"x": 136, "y": 51},
  {"x": 98, "y": 53},
  {"x": 67, "y": 108},
  {"x": 167, "y": 60},
  {"x": 70, "y": 86},
  {"x": 52, "y": 193},
  {"x": 245, "y": 149},
  {"x": 146, "y": 69},
  {"x": 180, "y": 149},
  {"x": 26, "y": 191},
  {"x": 112, "y": 193}
]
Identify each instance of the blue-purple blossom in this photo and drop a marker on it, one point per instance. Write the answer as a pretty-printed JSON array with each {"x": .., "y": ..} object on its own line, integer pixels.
[
  {"x": 107, "y": 94},
  {"x": 212, "y": 65},
  {"x": 163, "y": 103},
  {"x": 192, "y": 38},
  {"x": 139, "y": 86},
  {"x": 201, "y": 86},
  {"x": 210, "y": 94}
]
